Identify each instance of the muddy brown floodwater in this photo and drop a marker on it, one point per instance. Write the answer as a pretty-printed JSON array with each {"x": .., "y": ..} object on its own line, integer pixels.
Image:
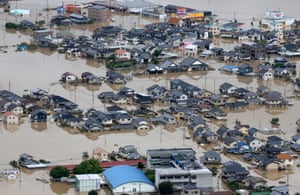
[{"x": 43, "y": 68}]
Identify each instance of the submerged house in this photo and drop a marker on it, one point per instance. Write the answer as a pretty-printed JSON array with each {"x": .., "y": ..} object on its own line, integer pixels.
[
  {"x": 68, "y": 77},
  {"x": 115, "y": 77},
  {"x": 169, "y": 66},
  {"x": 211, "y": 157},
  {"x": 287, "y": 161},
  {"x": 222, "y": 132},
  {"x": 57, "y": 102},
  {"x": 38, "y": 115},
  {"x": 273, "y": 98},
  {"x": 10, "y": 118},
  {"x": 233, "y": 171},
  {"x": 15, "y": 108},
  {"x": 227, "y": 88},
  {"x": 193, "y": 64},
  {"x": 245, "y": 70},
  {"x": 217, "y": 100}
]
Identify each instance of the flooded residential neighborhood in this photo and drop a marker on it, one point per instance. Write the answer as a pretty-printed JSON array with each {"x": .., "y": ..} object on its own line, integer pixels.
[{"x": 60, "y": 74}]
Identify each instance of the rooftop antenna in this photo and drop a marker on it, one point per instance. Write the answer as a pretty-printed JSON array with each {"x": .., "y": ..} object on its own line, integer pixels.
[
  {"x": 234, "y": 18},
  {"x": 47, "y": 10}
]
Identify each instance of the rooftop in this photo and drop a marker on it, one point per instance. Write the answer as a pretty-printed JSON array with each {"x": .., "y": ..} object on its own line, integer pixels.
[{"x": 123, "y": 174}]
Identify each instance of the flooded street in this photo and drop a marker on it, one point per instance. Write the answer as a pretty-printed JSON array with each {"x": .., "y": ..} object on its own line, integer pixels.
[{"x": 43, "y": 68}]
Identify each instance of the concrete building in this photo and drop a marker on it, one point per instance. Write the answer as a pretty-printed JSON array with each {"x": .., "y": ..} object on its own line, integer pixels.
[
  {"x": 124, "y": 179},
  {"x": 88, "y": 182},
  {"x": 100, "y": 154},
  {"x": 180, "y": 166},
  {"x": 98, "y": 13},
  {"x": 276, "y": 20},
  {"x": 201, "y": 178}
]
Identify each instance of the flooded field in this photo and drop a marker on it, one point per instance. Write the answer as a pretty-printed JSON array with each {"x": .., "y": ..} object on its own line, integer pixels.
[{"x": 43, "y": 68}]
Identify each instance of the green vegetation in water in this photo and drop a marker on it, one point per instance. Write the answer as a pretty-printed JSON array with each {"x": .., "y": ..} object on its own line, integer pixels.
[
  {"x": 90, "y": 166},
  {"x": 93, "y": 192},
  {"x": 11, "y": 25},
  {"x": 121, "y": 64},
  {"x": 275, "y": 121},
  {"x": 150, "y": 174},
  {"x": 165, "y": 188},
  {"x": 58, "y": 172},
  {"x": 44, "y": 161},
  {"x": 14, "y": 164}
]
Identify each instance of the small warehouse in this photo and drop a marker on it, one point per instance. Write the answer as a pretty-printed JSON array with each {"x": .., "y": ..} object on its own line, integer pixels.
[
  {"x": 127, "y": 179},
  {"x": 88, "y": 182}
]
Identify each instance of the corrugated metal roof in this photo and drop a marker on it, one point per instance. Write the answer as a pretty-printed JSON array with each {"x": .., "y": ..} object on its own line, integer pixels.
[
  {"x": 136, "y": 3},
  {"x": 123, "y": 174}
]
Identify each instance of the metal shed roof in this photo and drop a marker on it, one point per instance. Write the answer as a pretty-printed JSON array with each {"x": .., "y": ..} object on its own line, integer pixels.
[{"x": 119, "y": 175}]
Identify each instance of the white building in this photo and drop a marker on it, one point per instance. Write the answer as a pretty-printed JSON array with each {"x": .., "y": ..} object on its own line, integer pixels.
[
  {"x": 276, "y": 20},
  {"x": 191, "y": 50},
  {"x": 11, "y": 118},
  {"x": 202, "y": 178},
  {"x": 88, "y": 182},
  {"x": 179, "y": 166}
]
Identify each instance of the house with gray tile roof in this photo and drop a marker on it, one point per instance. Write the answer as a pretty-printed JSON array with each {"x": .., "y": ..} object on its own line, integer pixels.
[
  {"x": 193, "y": 64},
  {"x": 222, "y": 132},
  {"x": 227, "y": 88},
  {"x": 211, "y": 157},
  {"x": 233, "y": 171}
]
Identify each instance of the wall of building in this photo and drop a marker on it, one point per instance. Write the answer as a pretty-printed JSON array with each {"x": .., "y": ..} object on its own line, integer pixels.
[{"x": 133, "y": 187}]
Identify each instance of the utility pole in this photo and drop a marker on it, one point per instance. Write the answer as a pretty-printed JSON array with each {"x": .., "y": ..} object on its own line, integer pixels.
[
  {"x": 9, "y": 85},
  {"x": 93, "y": 99},
  {"x": 218, "y": 182},
  {"x": 47, "y": 10}
]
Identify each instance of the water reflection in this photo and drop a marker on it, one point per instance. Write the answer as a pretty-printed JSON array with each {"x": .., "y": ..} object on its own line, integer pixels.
[
  {"x": 245, "y": 79},
  {"x": 275, "y": 110},
  {"x": 92, "y": 87},
  {"x": 115, "y": 87},
  {"x": 142, "y": 132},
  {"x": 60, "y": 188},
  {"x": 274, "y": 174},
  {"x": 69, "y": 86},
  {"x": 197, "y": 75},
  {"x": 11, "y": 127},
  {"x": 46, "y": 51},
  {"x": 27, "y": 171},
  {"x": 71, "y": 131},
  {"x": 93, "y": 63},
  {"x": 39, "y": 126},
  {"x": 93, "y": 135}
]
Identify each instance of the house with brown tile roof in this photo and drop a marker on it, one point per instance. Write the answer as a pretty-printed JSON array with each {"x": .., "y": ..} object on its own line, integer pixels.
[{"x": 286, "y": 159}]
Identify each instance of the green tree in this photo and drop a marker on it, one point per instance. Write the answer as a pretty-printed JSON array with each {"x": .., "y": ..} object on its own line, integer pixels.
[
  {"x": 11, "y": 25},
  {"x": 156, "y": 53},
  {"x": 165, "y": 188},
  {"x": 140, "y": 165},
  {"x": 93, "y": 192},
  {"x": 88, "y": 167},
  {"x": 150, "y": 174},
  {"x": 234, "y": 185},
  {"x": 58, "y": 172}
]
